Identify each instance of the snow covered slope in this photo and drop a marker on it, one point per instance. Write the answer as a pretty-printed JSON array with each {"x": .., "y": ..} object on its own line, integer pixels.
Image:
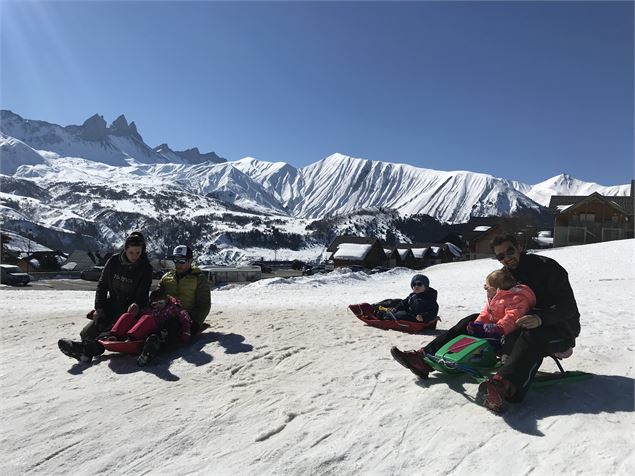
[
  {"x": 14, "y": 153},
  {"x": 566, "y": 185},
  {"x": 342, "y": 184},
  {"x": 297, "y": 385}
]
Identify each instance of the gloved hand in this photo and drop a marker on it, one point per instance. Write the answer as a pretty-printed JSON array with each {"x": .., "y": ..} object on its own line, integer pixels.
[
  {"x": 133, "y": 308},
  {"x": 475, "y": 329},
  {"x": 493, "y": 331}
]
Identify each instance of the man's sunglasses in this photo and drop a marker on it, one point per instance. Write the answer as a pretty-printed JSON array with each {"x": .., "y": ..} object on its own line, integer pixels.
[
  {"x": 509, "y": 252},
  {"x": 417, "y": 284},
  {"x": 160, "y": 302},
  {"x": 179, "y": 261}
]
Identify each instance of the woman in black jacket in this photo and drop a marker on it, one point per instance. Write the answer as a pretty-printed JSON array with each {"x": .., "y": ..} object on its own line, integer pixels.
[{"x": 123, "y": 287}]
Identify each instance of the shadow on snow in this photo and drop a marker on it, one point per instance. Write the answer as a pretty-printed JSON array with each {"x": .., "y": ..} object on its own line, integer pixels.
[{"x": 160, "y": 366}]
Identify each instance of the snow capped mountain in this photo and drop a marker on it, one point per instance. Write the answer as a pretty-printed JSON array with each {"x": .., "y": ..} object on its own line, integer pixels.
[
  {"x": 189, "y": 156},
  {"x": 566, "y": 185},
  {"x": 100, "y": 180},
  {"x": 347, "y": 184},
  {"x": 115, "y": 145},
  {"x": 14, "y": 153}
]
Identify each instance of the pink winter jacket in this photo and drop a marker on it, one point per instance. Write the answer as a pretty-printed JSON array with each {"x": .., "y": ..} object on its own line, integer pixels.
[
  {"x": 507, "y": 306},
  {"x": 172, "y": 310}
]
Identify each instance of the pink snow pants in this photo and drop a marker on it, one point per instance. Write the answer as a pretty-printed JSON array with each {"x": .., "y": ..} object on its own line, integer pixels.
[{"x": 138, "y": 329}]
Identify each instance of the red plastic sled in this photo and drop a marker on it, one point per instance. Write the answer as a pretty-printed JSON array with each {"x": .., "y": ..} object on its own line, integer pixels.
[
  {"x": 366, "y": 313},
  {"x": 128, "y": 347}
]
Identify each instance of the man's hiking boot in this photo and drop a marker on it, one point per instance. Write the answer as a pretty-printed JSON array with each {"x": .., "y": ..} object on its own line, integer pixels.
[
  {"x": 493, "y": 393},
  {"x": 413, "y": 361},
  {"x": 150, "y": 350},
  {"x": 74, "y": 350}
]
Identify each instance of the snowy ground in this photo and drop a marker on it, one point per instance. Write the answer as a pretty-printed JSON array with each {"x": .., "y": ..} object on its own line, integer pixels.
[{"x": 287, "y": 381}]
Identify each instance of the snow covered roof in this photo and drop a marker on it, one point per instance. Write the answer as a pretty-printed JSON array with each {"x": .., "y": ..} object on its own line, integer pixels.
[
  {"x": 562, "y": 208},
  {"x": 403, "y": 252},
  {"x": 435, "y": 250},
  {"x": 455, "y": 250},
  {"x": 18, "y": 243},
  {"x": 419, "y": 252},
  {"x": 482, "y": 228},
  {"x": 352, "y": 251}
]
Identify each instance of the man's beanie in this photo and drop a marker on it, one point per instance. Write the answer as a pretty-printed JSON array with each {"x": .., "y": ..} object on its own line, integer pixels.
[{"x": 420, "y": 278}]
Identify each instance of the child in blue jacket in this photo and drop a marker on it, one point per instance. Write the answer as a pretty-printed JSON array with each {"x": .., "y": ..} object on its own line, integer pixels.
[{"x": 420, "y": 306}]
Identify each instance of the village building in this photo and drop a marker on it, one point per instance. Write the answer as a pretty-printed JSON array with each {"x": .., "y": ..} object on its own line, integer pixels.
[
  {"x": 593, "y": 218},
  {"x": 406, "y": 257},
  {"x": 348, "y": 251},
  {"x": 392, "y": 258}
]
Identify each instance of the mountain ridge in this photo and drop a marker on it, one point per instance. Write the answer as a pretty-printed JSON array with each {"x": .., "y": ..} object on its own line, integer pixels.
[{"x": 125, "y": 182}]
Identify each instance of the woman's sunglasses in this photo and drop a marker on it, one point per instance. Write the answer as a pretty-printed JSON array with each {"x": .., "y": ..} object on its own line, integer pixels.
[
  {"x": 158, "y": 303},
  {"x": 509, "y": 252},
  {"x": 417, "y": 284}
]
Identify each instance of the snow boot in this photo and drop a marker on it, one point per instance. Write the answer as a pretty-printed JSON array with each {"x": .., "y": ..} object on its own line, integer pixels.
[
  {"x": 74, "y": 350},
  {"x": 150, "y": 350},
  {"x": 493, "y": 392},
  {"x": 413, "y": 361}
]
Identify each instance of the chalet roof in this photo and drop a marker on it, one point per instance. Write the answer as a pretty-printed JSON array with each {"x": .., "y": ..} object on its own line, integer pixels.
[
  {"x": 560, "y": 203},
  {"x": 478, "y": 227},
  {"x": 455, "y": 250},
  {"x": 404, "y": 252},
  {"x": 352, "y": 251},
  {"x": 419, "y": 252},
  {"x": 19, "y": 243},
  {"x": 360, "y": 240}
]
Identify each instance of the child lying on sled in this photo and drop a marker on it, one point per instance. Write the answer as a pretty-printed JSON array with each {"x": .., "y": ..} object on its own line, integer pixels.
[
  {"x": 507, "y": 301},
  {"x": 420, "y": 305},
  {"x": 152, "y": 319}
]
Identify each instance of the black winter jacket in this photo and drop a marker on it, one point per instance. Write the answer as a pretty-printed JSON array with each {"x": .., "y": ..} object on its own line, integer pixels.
[
  {"x": 122, "y": 283},
  {"x": 555, "y": 302},
  {"x": 424, "y": 303}
]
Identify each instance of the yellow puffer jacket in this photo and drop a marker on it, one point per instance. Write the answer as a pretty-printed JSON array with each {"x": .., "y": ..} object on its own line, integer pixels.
[{"x": 192, "y": 289}]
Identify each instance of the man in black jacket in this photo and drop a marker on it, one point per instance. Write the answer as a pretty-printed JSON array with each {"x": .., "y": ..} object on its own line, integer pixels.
[{"x": 552, "y": 328}]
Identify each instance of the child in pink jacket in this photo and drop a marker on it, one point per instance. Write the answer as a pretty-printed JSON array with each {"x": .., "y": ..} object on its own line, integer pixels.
[
  {"x": 152, "y": 319},
  {"x": 507, "y": 302}
]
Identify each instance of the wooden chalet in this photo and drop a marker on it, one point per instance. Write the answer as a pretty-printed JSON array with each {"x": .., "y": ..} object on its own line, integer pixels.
[
  {"x": 591, "y": 219},
  {"x": 366, "y": 252},
  {"x": 406, "y": 257}
]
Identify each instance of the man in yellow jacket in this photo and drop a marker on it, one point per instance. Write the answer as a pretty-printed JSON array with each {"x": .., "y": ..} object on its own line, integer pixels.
[{"x": 189, "y": 285}]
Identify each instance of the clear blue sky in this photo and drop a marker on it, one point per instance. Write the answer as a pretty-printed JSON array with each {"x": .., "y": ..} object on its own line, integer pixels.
[{"x": 522, "y": 90}]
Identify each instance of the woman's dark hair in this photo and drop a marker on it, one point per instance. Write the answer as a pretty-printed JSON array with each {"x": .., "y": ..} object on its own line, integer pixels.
[
  {"x": 135, "y": 239},
  {"x": 500, "y": 239}
]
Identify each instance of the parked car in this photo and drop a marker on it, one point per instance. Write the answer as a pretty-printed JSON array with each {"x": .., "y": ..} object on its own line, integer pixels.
[
  {"x": 92, "y": 274},
  {"x": 311, "y": 270},
  {"x": 355, "y": 268},
  {"x": 11, "y": 274},
  {"x": 378, "y": 269}
]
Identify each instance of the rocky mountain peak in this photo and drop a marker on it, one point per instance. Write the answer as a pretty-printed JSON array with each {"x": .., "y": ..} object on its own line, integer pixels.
[
  {"x": 121, "y": 128},
  {"x": 94, "y": 128}
]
